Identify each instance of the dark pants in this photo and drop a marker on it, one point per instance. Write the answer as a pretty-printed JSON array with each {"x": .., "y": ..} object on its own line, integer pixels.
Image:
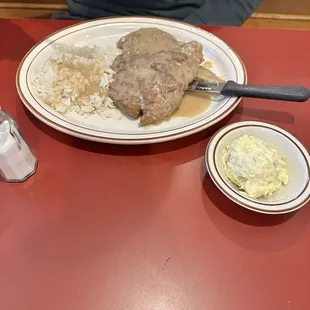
[{"x": 213, "y": 12}]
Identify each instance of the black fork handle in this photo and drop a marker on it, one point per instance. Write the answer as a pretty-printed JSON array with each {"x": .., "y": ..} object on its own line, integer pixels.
[{"x": 284, "y": 93}]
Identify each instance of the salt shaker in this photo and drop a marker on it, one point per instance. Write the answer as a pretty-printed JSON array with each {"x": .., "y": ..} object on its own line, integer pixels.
[{"x": 17, "y": 162}]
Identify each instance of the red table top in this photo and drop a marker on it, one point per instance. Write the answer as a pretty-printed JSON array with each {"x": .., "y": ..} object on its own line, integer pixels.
[{"x": 143, "y": 227}]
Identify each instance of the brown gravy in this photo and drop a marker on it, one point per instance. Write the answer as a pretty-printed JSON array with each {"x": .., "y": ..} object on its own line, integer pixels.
[
  {"x": 193, "y": 103},
  {"x": 92, "y": 83}
]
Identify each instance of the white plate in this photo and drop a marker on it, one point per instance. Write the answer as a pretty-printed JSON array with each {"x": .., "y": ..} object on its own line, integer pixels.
[
  {"x": 105, "y": 33},
  {"x": 287, "y": 199}
]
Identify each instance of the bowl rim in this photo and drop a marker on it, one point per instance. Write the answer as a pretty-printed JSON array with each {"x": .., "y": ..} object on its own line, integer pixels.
[{"x": 246, "y": 202}]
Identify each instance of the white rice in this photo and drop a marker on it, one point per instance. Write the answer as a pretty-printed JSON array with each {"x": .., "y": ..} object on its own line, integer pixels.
[{"x": 76, "y": 79}]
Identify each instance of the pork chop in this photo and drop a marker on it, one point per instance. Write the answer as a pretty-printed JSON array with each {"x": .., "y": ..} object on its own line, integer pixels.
[
  {"x": 144, "y": 41},
  {"x": 150, "y": 82},
  {"x": 147, "y": 41}
]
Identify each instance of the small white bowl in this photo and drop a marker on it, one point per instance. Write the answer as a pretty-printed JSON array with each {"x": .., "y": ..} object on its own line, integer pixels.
[{"x": 287, "y": 199}]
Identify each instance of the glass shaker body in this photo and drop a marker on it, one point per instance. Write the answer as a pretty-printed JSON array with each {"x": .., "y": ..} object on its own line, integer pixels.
[{"x": 17, "y": 161}]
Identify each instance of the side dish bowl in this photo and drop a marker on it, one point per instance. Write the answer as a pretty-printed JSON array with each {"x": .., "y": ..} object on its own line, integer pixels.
[{"x": 287, "y": 199}]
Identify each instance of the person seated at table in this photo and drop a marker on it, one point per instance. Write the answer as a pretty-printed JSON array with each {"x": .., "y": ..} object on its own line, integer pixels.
[{"x": 202, "y": 12}]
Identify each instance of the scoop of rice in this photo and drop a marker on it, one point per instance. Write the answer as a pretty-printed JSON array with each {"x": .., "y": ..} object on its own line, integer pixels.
[{"x": 76, "y": 79}]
